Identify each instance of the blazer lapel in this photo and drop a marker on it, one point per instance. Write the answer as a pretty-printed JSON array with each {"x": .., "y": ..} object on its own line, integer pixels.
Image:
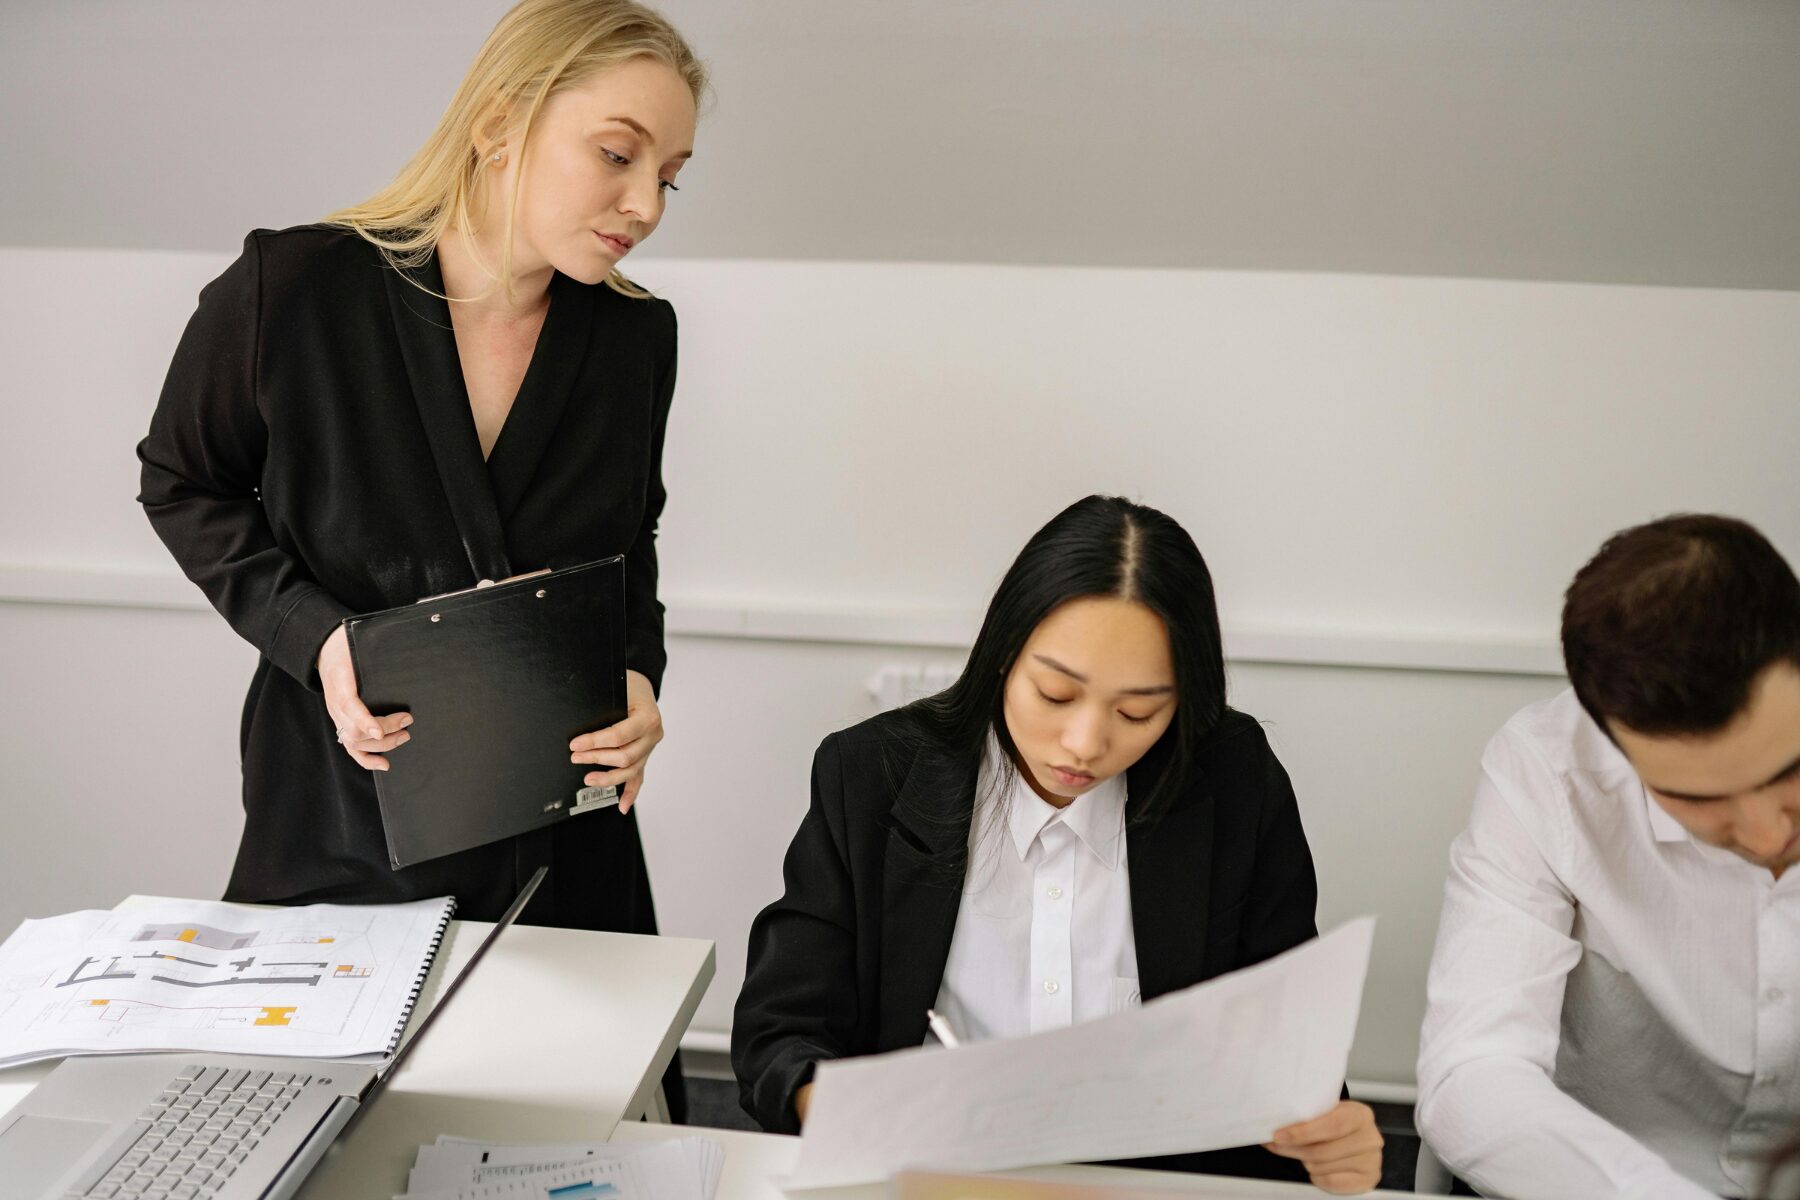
[
  {"x": 556, "y": 363},
  {"x": 1171, "y": 882},
  {"x": 925, "y": 860},
  {"x": 428, "y": 347}
]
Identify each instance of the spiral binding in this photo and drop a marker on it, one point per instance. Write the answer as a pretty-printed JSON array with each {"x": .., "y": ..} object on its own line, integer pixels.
[{"x": 431, "y": 953}]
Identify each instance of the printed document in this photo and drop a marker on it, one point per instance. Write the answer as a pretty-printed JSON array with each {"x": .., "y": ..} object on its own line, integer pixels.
[
  {"x": 325, "y": 980},
  {"x": 457, "y": 1169},
  {"x": 1225, "y": 1063}
]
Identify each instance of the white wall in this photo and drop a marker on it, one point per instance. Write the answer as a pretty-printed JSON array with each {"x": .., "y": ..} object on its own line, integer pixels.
[{"x": 1392, "y": 478}]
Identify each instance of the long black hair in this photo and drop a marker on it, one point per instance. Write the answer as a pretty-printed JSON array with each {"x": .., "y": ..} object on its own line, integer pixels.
[{"x": 1099, "y": 546}]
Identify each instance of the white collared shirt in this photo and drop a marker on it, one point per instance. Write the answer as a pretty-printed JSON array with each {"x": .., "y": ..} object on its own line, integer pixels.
[
  {"x": 1043, "y": 932},
  {"x": 1614, "y": 1008}
]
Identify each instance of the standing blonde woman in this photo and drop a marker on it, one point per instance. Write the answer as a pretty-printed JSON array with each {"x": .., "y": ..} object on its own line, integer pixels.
[{"x": 449, "y": 381}]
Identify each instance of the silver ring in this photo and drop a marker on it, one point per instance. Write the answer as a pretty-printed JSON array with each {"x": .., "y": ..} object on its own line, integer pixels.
[{"x": 342, "y": 730}]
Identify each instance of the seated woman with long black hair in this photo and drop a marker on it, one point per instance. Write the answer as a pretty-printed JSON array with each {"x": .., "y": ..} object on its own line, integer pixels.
[{"x": 1078, "y": 821}]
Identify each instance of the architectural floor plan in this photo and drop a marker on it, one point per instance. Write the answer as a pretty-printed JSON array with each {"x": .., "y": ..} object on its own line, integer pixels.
[{"x": 332, "y": 980}]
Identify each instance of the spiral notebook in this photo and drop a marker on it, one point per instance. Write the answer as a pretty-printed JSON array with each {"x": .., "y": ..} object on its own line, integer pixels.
[{"x": 320, "y": 980}]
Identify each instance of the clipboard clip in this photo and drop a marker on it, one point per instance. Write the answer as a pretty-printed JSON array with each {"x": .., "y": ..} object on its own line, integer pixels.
[{"x": 481, "y": 584}]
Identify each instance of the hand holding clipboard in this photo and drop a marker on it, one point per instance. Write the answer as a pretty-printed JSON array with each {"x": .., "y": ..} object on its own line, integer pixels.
[{"x": 500, "y": 682}]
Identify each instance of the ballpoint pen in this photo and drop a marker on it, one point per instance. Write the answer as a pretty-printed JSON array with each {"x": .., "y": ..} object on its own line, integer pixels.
[{"x": 942, "y": 1029}]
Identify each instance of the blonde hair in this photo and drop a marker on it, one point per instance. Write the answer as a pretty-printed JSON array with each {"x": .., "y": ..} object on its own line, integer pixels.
[{"x": 538, "y": 49}]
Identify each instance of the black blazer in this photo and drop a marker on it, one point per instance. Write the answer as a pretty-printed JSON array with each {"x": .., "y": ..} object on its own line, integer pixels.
[
  {"x": 851, "y": 956},
  {"x": 313, "y": 455}
]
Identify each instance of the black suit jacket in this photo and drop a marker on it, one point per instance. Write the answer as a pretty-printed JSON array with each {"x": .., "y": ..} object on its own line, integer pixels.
[
  {"x": 851, "y": 956},
  {"x": 314, "y": 455}
]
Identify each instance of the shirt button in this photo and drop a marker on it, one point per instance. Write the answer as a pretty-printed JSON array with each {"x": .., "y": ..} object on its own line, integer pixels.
[
  {"x": 1055, "y": 893},
  {"x": 1050, "y": 987},
  {"x": 1774, "y": 995}
]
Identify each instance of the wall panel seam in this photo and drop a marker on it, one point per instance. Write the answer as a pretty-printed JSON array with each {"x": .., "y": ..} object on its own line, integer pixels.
[{"x": 945, "y": 632}]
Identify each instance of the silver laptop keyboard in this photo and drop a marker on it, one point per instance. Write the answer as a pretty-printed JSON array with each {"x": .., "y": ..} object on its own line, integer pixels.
[{"x": 198, "y": 1132}]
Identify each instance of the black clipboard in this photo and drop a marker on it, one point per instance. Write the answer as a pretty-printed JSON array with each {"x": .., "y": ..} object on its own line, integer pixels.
[{"x": 498, "y": 679}]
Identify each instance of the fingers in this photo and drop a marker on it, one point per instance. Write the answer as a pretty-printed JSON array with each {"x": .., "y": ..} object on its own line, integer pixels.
[
  {"x": 1332, "y": 1155},
  {"x": 394, "y": 722},
  {"x": 367, "y": 738},
  {"x": 1344, "y": 1118},
  {"x": 628, "y": 782},
  {"x": 626, "y": 755},
  {"x": 643, "y": 723},
  {"x": 628, "y": 793},
  {"x": 1356, "y": 1171},
  {"x": 369, "y": 762},
  {"x": 622, "y": 749},
  {"x": 1328, "y": 1156},
  {"x": 1340, "y": 1149},
  {"x": 380, "y": 745},
  {"x": 1347, "y": 1183}
]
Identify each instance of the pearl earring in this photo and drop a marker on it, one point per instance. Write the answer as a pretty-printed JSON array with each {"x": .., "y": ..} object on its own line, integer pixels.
[{"x": 498, "y": 155}]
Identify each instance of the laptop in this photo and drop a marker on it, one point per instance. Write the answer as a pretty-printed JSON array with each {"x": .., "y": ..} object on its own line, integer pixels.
[{"x": 195, "y": 1126}]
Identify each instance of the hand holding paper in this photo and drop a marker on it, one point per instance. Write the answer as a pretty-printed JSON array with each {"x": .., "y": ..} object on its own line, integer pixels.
[
  {"x": 1340, "y": 1149},
  {"x": 1226, "y": 1063}
]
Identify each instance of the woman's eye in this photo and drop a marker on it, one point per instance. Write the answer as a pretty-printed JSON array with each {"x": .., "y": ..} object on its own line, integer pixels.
[
  {"x": 617, "y": 160},
  {"x": 667, "y": 185},
  {"x": 1049, "y": 699},
  {"x": 1137, "y": 720}
]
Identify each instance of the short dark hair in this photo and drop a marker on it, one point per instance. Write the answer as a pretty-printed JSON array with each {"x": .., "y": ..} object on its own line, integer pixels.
[
  {"x": 1098, "y": 546},
  {"x": 1665, "y": 629}
]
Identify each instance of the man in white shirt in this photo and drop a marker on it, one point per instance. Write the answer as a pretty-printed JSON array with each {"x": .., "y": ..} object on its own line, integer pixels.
[{"x": 1614, "y": 1000}]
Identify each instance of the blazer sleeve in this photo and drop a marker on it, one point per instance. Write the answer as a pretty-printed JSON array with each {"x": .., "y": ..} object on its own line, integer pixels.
[
  {"x": 1281, "y": 910},
  {"x": 644, "y": 648},
  {"x": 799, "y": 1002},
  {"x": 202, "y": 466}
]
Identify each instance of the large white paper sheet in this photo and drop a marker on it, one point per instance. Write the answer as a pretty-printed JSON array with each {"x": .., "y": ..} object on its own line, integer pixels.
[
  {"x": 323, "y": 980},
  {"x": 1226, "y": 1063}
]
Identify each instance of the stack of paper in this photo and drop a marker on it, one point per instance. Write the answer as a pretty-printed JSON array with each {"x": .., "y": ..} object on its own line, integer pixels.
[
  {"x": 459, "y": 1169},
  {"x": 326, "y": 980}
]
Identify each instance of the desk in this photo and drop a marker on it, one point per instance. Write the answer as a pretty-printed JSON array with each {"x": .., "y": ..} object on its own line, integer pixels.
[
  {"x": 752, "y": 1159},
  {"x": 559, "y": 1036}
]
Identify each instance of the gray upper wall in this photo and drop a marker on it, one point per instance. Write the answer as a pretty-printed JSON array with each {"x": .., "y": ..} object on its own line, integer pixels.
[{"x": 1616, "y": 141}]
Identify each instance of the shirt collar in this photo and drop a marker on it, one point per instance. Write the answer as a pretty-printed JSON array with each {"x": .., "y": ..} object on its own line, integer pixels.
[
  {"x": 1665, "y": 827},
  {"x": 1096, "y": 818},
  {"x": 1610, "y": 761}
]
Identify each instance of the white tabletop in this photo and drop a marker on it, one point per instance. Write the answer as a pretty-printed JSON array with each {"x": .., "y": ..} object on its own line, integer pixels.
[
  {"x": 754, "y": 1160},
  {"x": 558, "y": 1036}
]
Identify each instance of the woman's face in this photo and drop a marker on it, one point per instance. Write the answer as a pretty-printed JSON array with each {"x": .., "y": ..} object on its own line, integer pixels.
[
  {"x": 1091, "y": 691},
  {"x": 601, "y": 157}
]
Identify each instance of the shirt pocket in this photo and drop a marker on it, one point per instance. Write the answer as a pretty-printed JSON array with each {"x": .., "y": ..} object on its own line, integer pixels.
[
  {"x": 1125, "y": 995},
  {"x": 990, "y": 892},
  {"x": 995, "y": 902}
]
